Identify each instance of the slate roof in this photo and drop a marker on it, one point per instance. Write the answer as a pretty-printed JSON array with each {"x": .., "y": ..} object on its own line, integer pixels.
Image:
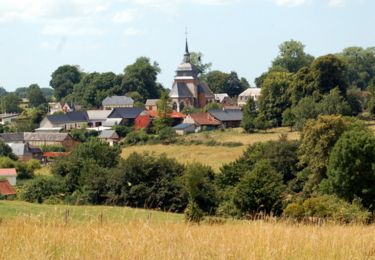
[
  {"x": 180, "y": 89},
  {"x": 76, "y": 116},
  {"x": 117, "y": 101},
  {"x": 203, "y": 88},
  {"x": 126, "y": 112},
  {"x": 7, "y": 115},
  {"x": 202, "y": 118},
  {"x": 108, "y": 134},
  {"x": 226, "y": 114},
  {"x": 25, "y": 137},
  {"x": 6, "y": 189},
  {"x": 12, "y": 137},
  {"x": 183, "y": 126}
]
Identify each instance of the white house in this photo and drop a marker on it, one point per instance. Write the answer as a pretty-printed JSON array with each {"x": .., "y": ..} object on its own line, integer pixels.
[
  {"x": 250, "y": 92},
  {"x": 7, "y": 118},
  {"x": 9, "y": 174}
]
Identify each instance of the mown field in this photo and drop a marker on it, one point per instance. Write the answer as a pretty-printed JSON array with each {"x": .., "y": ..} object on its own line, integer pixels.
[
  {"x": 215, "y": 156},
  {"x": 28, "y": 234}
]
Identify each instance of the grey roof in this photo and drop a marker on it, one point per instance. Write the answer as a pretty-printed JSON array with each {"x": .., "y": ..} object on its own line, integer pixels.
[
  {"x": 76, "y": 116},
  {"x": 151, "y": 102},
  {"x": 126, "y": 112},
  {"x": 19, "y": 149},
  {"x": 53, "y": 137},
  {"x": 226, "y": 114},
  {"x": 7, "y": 115},
  {"x": 108, "y": 134},
  {"x": 183, "y": 126},
  {"x": 12, "y": 137},
  {"x": 180, "y": 89},
  {"x": 203, "y": 88},
  {"x": 98, "y": 114},
  {"x": 117, "y": 101}
]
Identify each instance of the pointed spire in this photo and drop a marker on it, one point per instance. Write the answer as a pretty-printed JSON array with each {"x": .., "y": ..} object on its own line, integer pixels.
[{"x": 187, "y": 53}]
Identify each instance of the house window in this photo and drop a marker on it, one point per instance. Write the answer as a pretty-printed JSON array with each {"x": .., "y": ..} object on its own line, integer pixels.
[
  {"x": 182, "y": 106},
  {"x": 174, "y": 106}
]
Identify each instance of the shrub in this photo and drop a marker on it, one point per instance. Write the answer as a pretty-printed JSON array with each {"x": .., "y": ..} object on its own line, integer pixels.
[
  {"x": 329, "y": 208},
  {"x": 42, "y": 188},
  {"x": 136, "y": 137}
]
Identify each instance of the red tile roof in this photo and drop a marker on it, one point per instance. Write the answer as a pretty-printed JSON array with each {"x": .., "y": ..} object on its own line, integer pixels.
[
  {"x": 202, "y": 118},
  {"x": 174, "y": 114},
  {"x": 8, "y": 172},
  {"x": 6, "y": 189}
]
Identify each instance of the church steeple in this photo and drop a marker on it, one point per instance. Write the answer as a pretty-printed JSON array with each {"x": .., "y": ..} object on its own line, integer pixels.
[{"x": 187, "y": 53}]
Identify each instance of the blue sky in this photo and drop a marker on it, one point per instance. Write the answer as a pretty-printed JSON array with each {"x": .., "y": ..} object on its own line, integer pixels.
[{"x": 37, "y": 36}]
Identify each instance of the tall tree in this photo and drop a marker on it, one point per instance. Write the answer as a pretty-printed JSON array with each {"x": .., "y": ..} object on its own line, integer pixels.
[
  {"x": 63, "y": 80},
  {"x": 216, "y": 80},
  {"x": 292, "y": 56},
  {"x": 10, "y": 103},
  {"x": 249, "y": 115},
  {"x": 202, "y": 68},
  {"x": 141, "y": 76},
  {"x": 35, "y": 95},
  {"x": 234, "y": 86}
]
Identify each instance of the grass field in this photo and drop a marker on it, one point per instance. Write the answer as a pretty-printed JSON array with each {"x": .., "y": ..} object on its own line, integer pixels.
[
  {"x": 166, "y": 236},
  {"x": 215, "y": 156}
]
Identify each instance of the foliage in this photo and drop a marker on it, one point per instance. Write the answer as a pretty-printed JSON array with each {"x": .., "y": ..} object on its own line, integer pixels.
[
  {"x": 259, "y": 190},
  {"x": 202, "y": 68},
  {"x": 83, "y": 135},
  {"x": 148, "y": 181},
  {"x": 306, "y": 109},
  {"x": 164, "y": 106},
  {"x": 289, "y": 119},
  {"x": 43, "y": 188},
  {"x": 262, "y": 123},
  {"x": 141, "y": 77},
  {"x": 10, "y": 103},
  {"x": 35, "y": 96},
  {"x": 122, "y": 130},
  {"x": 5, "y": 150},
  {"x": 221, "y": 82},
  {"x": 334, "y": 104},
  {"x": 292, "y": 56},
  {"x": 249, "y": 115},
  {"x": 329, "y": 208},
  {"x": 355, "y": 100},
  {"x": 350, "y": 173},
  {"x": 274, "y": 97},
  {"x": 63, "y": 79},
  {"x": 212, "y": 106},
  {"x": 136, "y": 137}
]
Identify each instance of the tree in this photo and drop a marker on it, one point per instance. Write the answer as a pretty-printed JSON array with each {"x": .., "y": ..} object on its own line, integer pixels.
[
  {"x": 292, "y": 56},
  {"x": 334, "y": 104},
  {"x": 217, "y": 80},
  {"x": 63, "y": 80},
  {"x": 260, "y": 190},
  {"x": 164, "y": 110},
  {"x": 351, "y": 167},
  {"x": 234, "y": 86},
  {"x": 36, "y": 97},
  {"x": 212, "y": 106},
  {"x": 5, "y": 150},
  {"x": 10, "y": 103},
  {"x": 249, "y": 115},
  {"x": 274, "y": 97},
  {"x": 355, "y": 100},
  {"x": 3, "y": 92},
  {"x": 289, "y": 119},
  {"x": 306, "y": 109},
  {"x": 202, "y": 68},
  {"x": 141, "y": 76}
]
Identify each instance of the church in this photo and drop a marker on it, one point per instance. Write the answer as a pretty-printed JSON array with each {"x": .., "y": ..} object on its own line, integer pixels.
[{"x": 187, "y": 89}]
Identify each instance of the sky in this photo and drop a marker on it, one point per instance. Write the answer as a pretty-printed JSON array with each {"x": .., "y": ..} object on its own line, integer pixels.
[{"x": 38, "y": 36}]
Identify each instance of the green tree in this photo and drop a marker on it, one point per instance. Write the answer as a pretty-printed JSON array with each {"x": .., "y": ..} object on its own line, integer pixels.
[
  {"x": 202, "y": 68},
  {"x": 10, "y": 103},
  {"x": 217, "y": 80},
  {"x": 260, "y": 190},
  {"x": 5, "y": 150},
  {"x": 334, "y": 104},
  {"x": 141, "y": 76},
  {"x": 234, "y": 86},
  {"x": 36, "y": 97},
  {"x": 292, "y": 56},
  {"x": 274, "y": 98},
  {"x": 289, "y": 119},
  {"x": 212, "y": 106},
  {"x": 164, "y": 110},
  {"x": 351, "y": 168},
  {"x": 249, "y": 115},
  {"x": 63, "y": 80},
  {"x": 306, "y": 109}
]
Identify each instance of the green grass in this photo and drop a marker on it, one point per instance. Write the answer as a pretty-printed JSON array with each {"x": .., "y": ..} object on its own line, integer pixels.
[{"x": 13, "y": 209}]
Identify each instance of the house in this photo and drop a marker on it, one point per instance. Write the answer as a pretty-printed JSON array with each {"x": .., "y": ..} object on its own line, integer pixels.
[
  {"x": 183, "y": 129},
  {"x": 56, "y": 107},
  {"x": 10, "y": 174},
  {"x": 143, "y": 121},
  {"x": 25, "y": 152},
  {"x": 6, "y": 189},
  {"x": 110, "y": 136},
  {"x": 66, "y": 122},
  {"x": 188, "y": 89},
  {"x": 222, "y": 98},
  {"x": 203, "y": 121},
  {"x": 248, "y": 93},
  {"x": 96, "y": 118},
  {"x": 40, "y": 139},
  {"x": 126, "y": 115},
  {"x": 116, "y": 102},
  {"x": 230, "y": 118},
  {"x": 176, "y": 117},
  {"x": 7, "y": 118},
  {"x": 151, "y": 104}
]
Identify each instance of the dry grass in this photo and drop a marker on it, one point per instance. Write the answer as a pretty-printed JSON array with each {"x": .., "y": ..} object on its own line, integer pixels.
[
  {"x": 25, "y": 238},
  {"x": 215, "y": 156}
]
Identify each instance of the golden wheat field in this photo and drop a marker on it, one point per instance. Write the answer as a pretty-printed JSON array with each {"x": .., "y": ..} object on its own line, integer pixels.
[{"x": 33, "y": 238}]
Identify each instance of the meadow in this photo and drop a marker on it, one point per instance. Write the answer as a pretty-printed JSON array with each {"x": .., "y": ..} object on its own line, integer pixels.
[
  {"x": 214, "y": 156},
  {"x": 154, "y": 235}
]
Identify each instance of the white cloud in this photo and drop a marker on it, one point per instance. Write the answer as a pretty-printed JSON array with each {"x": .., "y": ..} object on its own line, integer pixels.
[
  {"x": 126, "y": 16},
  {"x": 290, "y": 2}
]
